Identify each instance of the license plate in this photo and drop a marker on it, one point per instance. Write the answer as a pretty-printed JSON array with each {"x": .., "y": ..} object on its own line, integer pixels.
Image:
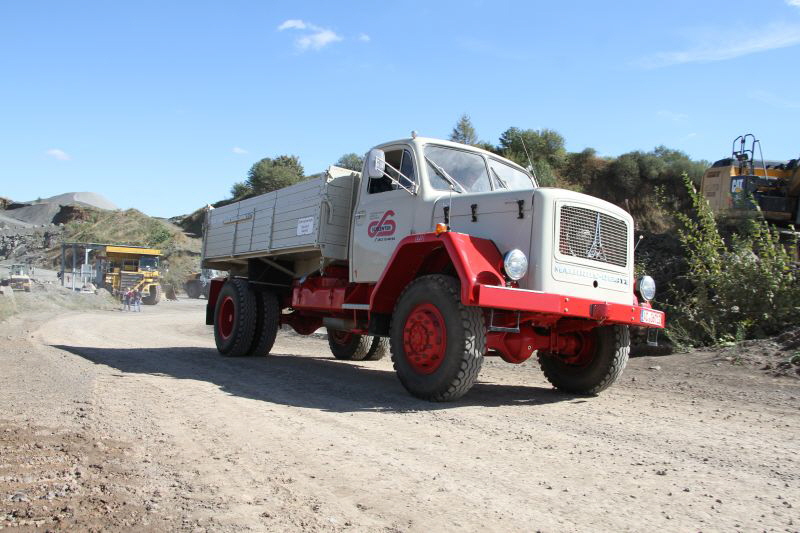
[{"x": 651, "y": 317}]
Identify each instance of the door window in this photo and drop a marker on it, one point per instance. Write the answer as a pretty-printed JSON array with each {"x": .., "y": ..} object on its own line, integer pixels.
[{"x": 395, "y": 159}]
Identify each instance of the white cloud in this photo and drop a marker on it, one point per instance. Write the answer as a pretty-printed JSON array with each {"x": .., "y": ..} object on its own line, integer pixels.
[
  {"x": 672, "y": 115},
  {"x": 794, "y": 3},
  {"x": 718, "y": 49},
  {"x": 364, "y": 38},
  {"x": 239, "y": 151},
  {"x": 292, "y": 24},
  {"x": 317, "y": 39},
  {"x": 59, "y": 154}
]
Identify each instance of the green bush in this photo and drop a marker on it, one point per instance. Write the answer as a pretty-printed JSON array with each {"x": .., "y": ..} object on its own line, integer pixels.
[{"x": 745, "y": 287}]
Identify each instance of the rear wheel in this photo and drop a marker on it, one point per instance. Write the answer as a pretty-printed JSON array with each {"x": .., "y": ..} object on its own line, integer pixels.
[
  {"x": 193, "y": 289},
  {"x": 235, "y": 318},
  {"x": 600, "y": 360},
  {"x": 354, "y": 347},
  {"x": 437, "y": 343},
  {"x": 268, "y": 318}
]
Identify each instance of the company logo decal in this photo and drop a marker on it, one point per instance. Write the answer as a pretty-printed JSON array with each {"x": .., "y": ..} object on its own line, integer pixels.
[{"x": 383, "y": 227}]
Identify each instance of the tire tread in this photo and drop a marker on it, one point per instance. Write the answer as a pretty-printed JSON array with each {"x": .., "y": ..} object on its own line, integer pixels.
[{"x": 473, "y": 322}]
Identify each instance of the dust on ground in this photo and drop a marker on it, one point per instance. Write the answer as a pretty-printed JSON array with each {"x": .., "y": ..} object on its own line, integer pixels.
[
  {"x": 777, "y": 356},
  {"x": 298, "y": 441}
]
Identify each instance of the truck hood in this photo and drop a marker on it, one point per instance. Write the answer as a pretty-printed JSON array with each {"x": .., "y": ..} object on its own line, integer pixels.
[{"x": 576, "y": 245}]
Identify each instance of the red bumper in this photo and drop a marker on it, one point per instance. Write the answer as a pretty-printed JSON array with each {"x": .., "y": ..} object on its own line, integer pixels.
[{"x": 555, "y": 305}]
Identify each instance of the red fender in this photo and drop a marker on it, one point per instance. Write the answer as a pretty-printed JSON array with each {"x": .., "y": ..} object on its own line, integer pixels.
[
  {"x": 476, "y": 261},
  {"x": 213, "y": 293}
]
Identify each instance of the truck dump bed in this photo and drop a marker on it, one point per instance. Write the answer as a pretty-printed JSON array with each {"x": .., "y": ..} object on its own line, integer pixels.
[{"x": 306, "y": 221}]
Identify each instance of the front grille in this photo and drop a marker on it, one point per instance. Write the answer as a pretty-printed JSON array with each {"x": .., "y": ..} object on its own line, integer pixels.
[
  {"x": 129, "y": 280},
  {"x": 581, "y": 237}
]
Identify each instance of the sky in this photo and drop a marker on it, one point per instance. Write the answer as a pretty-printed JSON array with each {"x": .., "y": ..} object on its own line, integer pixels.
[{"x": 162, "y": 106}]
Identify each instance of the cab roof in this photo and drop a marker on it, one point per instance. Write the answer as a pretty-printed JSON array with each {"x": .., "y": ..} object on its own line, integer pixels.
[{"x": 451, "y": 144}]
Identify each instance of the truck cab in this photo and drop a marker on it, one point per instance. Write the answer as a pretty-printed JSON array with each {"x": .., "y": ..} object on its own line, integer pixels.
[{"x": 441, "y": 254}]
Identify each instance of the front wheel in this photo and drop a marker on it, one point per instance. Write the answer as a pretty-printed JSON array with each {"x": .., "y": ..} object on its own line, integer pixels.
[
  {"x": 600, "y": 360},
  {"x": 437, "y": 343},
  {"x": 153, "y": 296}
]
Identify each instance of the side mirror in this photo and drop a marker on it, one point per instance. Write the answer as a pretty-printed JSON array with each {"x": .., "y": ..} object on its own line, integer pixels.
[{"x": 376, "y": 163}]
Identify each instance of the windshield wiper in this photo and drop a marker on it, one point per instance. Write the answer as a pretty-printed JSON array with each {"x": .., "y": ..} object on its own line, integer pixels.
[
  {"x": 443, "y": 173},
  {"x": 498, "y": 178}
]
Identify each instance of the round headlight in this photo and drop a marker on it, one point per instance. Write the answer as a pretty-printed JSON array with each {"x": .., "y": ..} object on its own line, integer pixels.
[
  {"x": 646, "y": 287},
  {"x": 515, "y": 264}
]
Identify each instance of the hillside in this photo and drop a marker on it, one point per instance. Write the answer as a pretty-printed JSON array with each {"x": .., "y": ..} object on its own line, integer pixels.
[{"x": 32, "y": 232}]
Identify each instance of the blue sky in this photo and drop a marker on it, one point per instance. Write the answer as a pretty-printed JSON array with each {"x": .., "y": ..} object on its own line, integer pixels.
[{"x": 163, "y": 105}]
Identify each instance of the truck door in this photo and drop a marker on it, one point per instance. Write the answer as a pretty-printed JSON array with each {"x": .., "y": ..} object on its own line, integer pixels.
[{"x": 384, "y": 214}]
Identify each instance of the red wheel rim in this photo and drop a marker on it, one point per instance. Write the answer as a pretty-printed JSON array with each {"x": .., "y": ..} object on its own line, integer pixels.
[
  {"x": 341, "y": 337},
  {"x": 425, "y": 338},
  {"x": 227, "y": 315}
]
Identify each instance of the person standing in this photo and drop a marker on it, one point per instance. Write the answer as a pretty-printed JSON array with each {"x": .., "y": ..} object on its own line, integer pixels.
[
  {"x": 126, "y": 299},
  {"x": 137, "y": 298}
]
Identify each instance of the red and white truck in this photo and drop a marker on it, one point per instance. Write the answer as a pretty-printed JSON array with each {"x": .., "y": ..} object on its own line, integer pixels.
[{"x": 445, "y": 254}]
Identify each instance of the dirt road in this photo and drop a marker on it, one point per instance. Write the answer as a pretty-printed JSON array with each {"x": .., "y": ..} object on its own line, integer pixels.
[{"x": 118, "y": 420}]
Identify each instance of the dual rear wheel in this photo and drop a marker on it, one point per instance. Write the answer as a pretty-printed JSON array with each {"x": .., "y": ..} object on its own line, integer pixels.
[
  {"x": 246, "y": 322},
  {"x": 353, "y": 347}
]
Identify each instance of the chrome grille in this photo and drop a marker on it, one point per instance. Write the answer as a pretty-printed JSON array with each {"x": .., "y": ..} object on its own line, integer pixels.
[{"x": 593, "y": 235}]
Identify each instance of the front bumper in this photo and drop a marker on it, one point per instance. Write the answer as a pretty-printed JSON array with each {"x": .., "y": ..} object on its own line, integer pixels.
[{"x": 559, "y": 306}]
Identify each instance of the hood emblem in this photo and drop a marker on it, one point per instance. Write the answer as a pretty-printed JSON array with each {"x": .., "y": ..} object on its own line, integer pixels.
[{"x": 596, "y": 250}]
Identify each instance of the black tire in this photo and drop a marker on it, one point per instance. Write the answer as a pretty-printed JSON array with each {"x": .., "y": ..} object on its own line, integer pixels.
[
  {"x": 348, "y": 346},
  {"x": 235, "y": 318},
  {"x": 610, "y": 355},
  {"x": 268, "y": 321},
  {"x": 378, "y": 349},
  {"x": 154, "y": 297},
  {"x": 451, "y": 375},
  {"x": 193, "y": 289}
]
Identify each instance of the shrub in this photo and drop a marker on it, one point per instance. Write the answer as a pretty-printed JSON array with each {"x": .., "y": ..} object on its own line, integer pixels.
[{"x": 746, "y": 287}]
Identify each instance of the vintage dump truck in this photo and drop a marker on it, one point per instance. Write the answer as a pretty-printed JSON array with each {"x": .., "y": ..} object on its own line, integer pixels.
[{"x": 450, "y": 252}]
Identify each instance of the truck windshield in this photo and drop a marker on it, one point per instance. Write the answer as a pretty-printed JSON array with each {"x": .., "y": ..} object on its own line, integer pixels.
[
  {"x": 508, "y": 177},
  {"x": 466, "y": 168},
  {"x": 149, "y": 263}
]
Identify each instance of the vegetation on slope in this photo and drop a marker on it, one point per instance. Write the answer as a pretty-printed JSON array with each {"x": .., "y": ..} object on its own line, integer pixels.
[{"x": 181, "y": 253}]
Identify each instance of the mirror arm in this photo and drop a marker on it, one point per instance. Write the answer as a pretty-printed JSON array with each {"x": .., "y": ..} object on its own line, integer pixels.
[{"x": 411, "y": 191}]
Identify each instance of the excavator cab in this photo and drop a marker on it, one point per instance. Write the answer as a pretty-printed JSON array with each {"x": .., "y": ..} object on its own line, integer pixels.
[{"x": 746, "y": 183}]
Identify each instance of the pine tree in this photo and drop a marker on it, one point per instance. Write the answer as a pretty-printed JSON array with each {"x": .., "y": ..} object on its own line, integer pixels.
[{"x": 464, "y": 131}]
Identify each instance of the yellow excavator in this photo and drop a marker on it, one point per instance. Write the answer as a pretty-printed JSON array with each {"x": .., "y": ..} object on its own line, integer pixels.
[{"x": 744, "y": 184}]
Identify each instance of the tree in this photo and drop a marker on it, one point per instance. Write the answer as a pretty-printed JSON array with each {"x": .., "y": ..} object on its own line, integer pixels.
[
  {"x": 351, "y": 161},
  {"x": 542, "y": 145},
  {"x": 464, "y": 131},
  {"x": 240, "y": 189},
  {"x": 583, "y": 169},
  {"x": 622, "y": 177},
  {"x": 268, "y": 175}
]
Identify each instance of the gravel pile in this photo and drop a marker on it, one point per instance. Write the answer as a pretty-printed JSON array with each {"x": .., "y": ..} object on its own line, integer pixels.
[{"x": 42, "y": 212}]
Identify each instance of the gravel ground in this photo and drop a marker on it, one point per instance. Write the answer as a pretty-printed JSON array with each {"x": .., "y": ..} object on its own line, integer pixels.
[{"x": 131, "y": 421}]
